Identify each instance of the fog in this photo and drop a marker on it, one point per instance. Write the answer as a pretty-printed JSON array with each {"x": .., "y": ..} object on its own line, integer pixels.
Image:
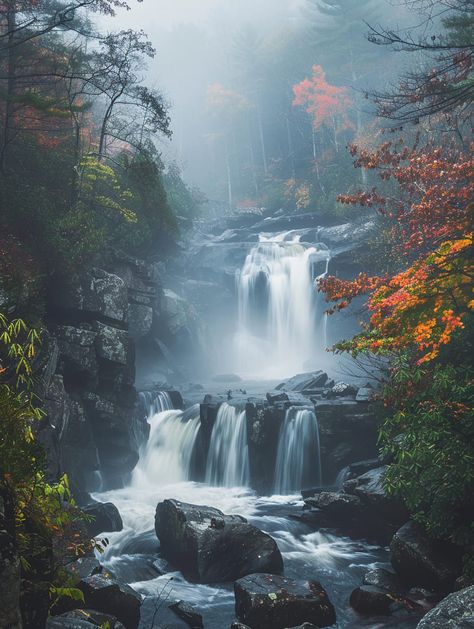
[{"x": 257, "y": 51}]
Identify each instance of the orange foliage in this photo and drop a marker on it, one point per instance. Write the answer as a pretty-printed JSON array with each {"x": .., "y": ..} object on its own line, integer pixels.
[{"x": 323, "y": 102}]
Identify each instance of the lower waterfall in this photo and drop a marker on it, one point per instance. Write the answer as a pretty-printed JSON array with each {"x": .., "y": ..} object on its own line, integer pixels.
[
  {"x": 298, "y": 463},
  {"x": 228, "y": 458},
  {"x": 167, "y": 456}
]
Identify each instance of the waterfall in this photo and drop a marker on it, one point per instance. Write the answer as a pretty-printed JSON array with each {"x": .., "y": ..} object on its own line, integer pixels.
[
  {"x": 298, "y": 463},
  {"x": 166, "y": 458},
  {"x": 278, "y": 306},
  {"x": 154, "y": 402},
  {"x": 228, "y": 459}
]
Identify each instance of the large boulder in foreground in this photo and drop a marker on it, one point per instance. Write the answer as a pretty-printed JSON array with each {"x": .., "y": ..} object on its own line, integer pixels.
[
  {"x": 266, "y": 601},
  {"x": 211, "y": 547},
  {"x": 83, "y": 619},
  {"x": 106, "y": 518},
  {"x": 420, "y": 561},
  {"x": 456, "y": 611},
  {"x": 106, "y": 595}
]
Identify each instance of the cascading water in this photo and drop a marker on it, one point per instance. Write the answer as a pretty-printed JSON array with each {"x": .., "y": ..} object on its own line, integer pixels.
[
  {"x": 278, "y": 307},
  {"x": 228, "y": 458},
  {"x": 155, "y": 402},
  {"x": 298, "y": 463},
  {"x": 167, "y": 457}
]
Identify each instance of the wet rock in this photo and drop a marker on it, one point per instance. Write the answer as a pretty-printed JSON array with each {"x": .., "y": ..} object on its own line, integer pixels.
[
  {"x": 456, "y": 611},
  {"x": 371, "y": 600},
  {"x": 420, "y": 561},
  {"x": 111, "y": 343},
  {"x": 277, "y": 396},
  {"x": 174, "y": 310},
  {"x": 370, "y": 490},
  {"x": 83, "y": 619},
  {"x": 96, "y": 293},
  {"x": 304, "y": 382},
  {"x": 305, "y": 625},
  {"x": 106, "y": 518},
  {"x": 239, "y": 625},
  {"x": 188, "y": 613},
  {"x": 211, "y": 547},
  {"x": 335, "y": 505},
  {"x": 111, "y": 597},
  {"x": 141, "y": 320},
  {"x": 266, "y": 601},
  {"x": 384, "y": 580},
  {"x": 77, "y": 353}
]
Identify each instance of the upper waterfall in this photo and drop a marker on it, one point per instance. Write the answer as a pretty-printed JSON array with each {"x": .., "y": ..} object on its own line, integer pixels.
[{"x": 281, "y": 326}]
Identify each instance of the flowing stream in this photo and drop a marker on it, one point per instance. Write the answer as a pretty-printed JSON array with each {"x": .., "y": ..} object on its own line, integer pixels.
[{"x": 282, "y": 329}]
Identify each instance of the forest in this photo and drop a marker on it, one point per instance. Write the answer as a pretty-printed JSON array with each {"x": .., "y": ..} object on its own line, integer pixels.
[{"x": 236, "y": 314}]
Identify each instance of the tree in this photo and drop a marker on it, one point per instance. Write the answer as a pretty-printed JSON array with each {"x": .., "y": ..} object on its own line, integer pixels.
[
  {"x": 444, "y": 84},
  {"x": 326, "y": 104}
]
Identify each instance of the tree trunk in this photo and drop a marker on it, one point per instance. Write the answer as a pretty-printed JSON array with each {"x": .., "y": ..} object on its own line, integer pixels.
[{"x": 9, "y": 100}]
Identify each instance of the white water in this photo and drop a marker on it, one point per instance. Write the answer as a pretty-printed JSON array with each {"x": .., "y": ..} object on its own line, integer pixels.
[
  {"x": 280, "y": 325},
  {"x": 228, "y": 458},
  {"x": 167, "y": 456},
  {"x": 298, "y": 463},
  {"x": 156, "y": 402}
]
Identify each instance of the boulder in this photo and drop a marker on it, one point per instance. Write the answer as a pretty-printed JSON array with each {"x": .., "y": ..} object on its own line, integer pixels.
[
  {"x": 371, "y": 600},
  {"x": 84, "y": 567},
  {"x": 96, "y": 293},
  {"x": 174, "y": 309},
  {"x": 266, "y": 601},
  {"x": 420, "y": 561},
  {"x": 83, "y": 619},
  {"x": 304, "y": 382},
  {"x": 188, "y": 613},
  {"x": 211, "y": 547},
  {"x": 106, "y": 518},
  {"x": 456, "y": 611},
  {"x": 370, "y": 490},
  {"x": 364, "y": 394},
  {"x": 384, "y": 580},
  {"x": 337, "y": 506},
  {"x": 107, "y": 595}
]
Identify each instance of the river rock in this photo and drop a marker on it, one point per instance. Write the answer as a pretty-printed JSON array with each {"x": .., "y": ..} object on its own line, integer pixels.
[
  {"x": 107, "y": 595},
  {"x": 211, "y": 547},
  {"x": 188, "y": 613},
  {"x": 337, "y": 506},
  {"x": 266, "y": 601},
  {"x": 342, "y": 389},
  {"x": 368, "y": 599},
  {"x": 456, "y": 611},
  {"x": 83, "y": 619},
  {"x": 420, "y": 561},
  {"x": 106, "y": 518},
  {"x": 384, "y": 580}
]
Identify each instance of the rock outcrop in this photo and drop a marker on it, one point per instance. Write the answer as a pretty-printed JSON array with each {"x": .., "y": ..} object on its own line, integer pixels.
[{"x": 456, "y": 611}]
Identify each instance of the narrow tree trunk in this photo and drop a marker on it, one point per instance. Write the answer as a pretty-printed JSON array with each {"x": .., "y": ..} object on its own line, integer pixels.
[
  {"x": 262, "y": 139},
  {"x": 229, "y": 176},
  {"x": 9, "y": 100},
  {"x": 290, "y": 148}
]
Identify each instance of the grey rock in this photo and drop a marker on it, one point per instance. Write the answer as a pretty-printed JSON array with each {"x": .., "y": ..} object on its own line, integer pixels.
[
  {"x": 211, "y": 547},
  {"x": 106, "y": 518},
  {"x": 364, "y": 394},
  {"x": 420, "y": 561},
  {"x": 77, "y": 353},
  {"x": 304, "y": 382},
  {"x": 370, "y": 490},
  {"x": 268, "y": 601},
  {"x": 108, "y": 596},
  {"x": 83, "y": 619},
  {"x": 384, "y": 580},
  {"x": 456, "y": 611},
  {"x": 188, "y": 613},
  {"x": 111, "y": 343},
  {"x": 140, "y": 320}
]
